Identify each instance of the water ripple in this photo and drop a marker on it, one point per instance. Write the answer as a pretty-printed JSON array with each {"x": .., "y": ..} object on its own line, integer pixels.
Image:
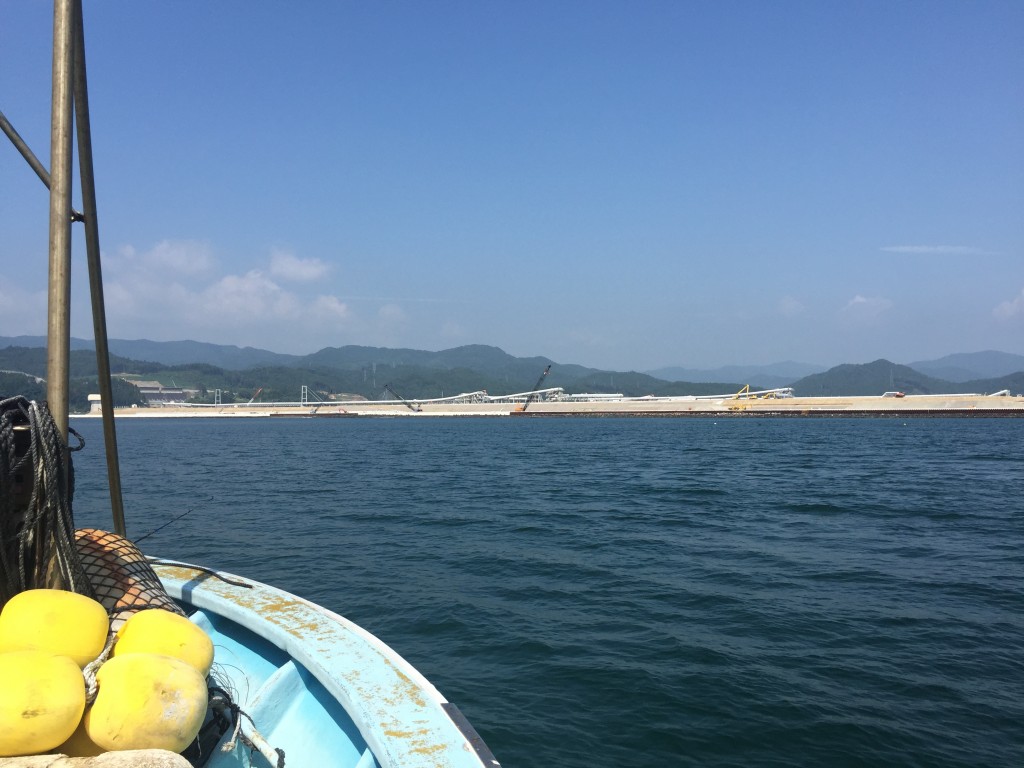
[{"x": 636, "y": 592}]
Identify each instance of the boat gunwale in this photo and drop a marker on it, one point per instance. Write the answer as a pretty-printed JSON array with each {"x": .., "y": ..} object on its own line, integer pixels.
[{"x": 402, "y": 716}]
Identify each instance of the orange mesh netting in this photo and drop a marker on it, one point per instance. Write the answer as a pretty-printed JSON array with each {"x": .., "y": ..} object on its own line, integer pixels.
[{"x": 120, "y": 575}]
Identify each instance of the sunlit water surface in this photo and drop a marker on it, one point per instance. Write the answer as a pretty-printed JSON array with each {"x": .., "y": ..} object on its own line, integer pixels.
[{"x": 634, "y": 592}]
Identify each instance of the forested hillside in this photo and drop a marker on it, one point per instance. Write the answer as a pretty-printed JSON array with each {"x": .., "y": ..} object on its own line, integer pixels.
[{"x": 363, "y": 372}]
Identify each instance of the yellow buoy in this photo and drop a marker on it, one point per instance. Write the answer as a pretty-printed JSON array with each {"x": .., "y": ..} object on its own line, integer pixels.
[
  {"x": 41, "y": 701},
  {"x": 166, "y": 633},
  {"x": 146, "y": 701},
  {"x": 54, "y": 620},
  {"x": 79, "y": 744}
]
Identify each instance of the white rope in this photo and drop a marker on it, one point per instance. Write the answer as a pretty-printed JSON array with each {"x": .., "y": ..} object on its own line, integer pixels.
[{"x": 90, "y": 669}]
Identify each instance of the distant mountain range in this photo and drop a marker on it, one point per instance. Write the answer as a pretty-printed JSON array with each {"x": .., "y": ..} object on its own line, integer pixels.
[
  {"x": 171, "y": 352},
  {"x": 965, "y": 367},
  {"x": 958, "y": 368},
  {"x": 771, "y": 376},
  {"x": 418, "y": 374},
  {"x": 884, "y": 376}
]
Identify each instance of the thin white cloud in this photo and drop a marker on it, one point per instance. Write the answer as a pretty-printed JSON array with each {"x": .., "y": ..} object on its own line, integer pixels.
[
  {"x": 1012, "y": 308},
  {"x": 250, "y": 298},
  {"x": 790, "y": 307},
  {"x": 169, "y": 257},
  {"x": 20, "y": 310},
  {"x": 330, "y": 308},
  {"x": 171, "y": 291},
  {"x": 152, "y": 282},
  {"x": 866, "y": 308},
  {"x": 936, "y": 250},
  {"x": 403, "y": 299},
  {"x": 288, "y": 266},
  {"x": 391, "y": 313}
]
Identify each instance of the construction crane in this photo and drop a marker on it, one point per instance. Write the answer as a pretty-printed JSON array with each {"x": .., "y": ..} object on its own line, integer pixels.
[
  {"x": 410, "y": 406},
  {"x": 254, "y": 396},
  {"x": 533, "y": 393}
]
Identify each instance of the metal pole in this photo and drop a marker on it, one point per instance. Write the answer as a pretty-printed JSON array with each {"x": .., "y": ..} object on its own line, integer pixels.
[
  {"x": 59, "y": 325},
  {"x": 30, "y": 156},
  {"x": 92, "y": 249},
  {"x": 22, "y": 147}
]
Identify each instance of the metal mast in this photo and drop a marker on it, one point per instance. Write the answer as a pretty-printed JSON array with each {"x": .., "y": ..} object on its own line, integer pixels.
[
  {"x": 70, "y": 99},
  {"x": 58, "y": 332}
]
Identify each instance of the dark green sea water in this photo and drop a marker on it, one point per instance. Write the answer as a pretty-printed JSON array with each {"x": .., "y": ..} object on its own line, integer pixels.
[{"x": 631, "y": 592}]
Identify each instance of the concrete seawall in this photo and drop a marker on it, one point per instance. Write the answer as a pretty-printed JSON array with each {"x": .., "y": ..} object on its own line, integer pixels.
[{"x": 908, "y": 406}]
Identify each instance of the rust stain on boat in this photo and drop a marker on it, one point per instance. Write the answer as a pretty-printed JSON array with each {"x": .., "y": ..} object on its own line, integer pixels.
[
  {"x": 393, "y": 692},
  {"x": 284, "y": 612},
  {"x": 421, "y": 744}
]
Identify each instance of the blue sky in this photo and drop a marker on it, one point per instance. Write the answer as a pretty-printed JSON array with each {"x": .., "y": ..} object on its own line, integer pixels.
[{"x": 624, "y": 185}]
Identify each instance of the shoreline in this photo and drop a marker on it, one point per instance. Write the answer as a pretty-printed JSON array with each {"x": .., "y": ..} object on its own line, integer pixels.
[{"x": 964, "y": 406}]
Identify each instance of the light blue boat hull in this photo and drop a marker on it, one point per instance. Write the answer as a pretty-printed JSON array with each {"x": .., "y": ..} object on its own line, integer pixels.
[{"x": 317, "y": 686}]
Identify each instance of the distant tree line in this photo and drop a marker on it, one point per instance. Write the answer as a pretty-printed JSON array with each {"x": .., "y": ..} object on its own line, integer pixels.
[
  {"x": 284, "y": 383},
  {"x": 417, "y": 375}
]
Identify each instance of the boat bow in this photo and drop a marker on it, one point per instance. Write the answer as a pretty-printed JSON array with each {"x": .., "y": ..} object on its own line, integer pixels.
[{"x": 399, "y": 719}]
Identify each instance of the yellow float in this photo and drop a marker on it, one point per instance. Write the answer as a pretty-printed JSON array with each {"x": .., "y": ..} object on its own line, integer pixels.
[
  {"x": 146, "y": 701},
  {"x": 54, "y": 620},
  {"x": 41, "y": 702},
  {"x": 162, "y": 632},
  {"x": 80, "y": 745}
]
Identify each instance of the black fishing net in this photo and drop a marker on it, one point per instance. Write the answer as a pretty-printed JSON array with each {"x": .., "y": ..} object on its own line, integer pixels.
[
  {"x": 121, "y": 577},
  {"x": 37, "y": 531}
]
